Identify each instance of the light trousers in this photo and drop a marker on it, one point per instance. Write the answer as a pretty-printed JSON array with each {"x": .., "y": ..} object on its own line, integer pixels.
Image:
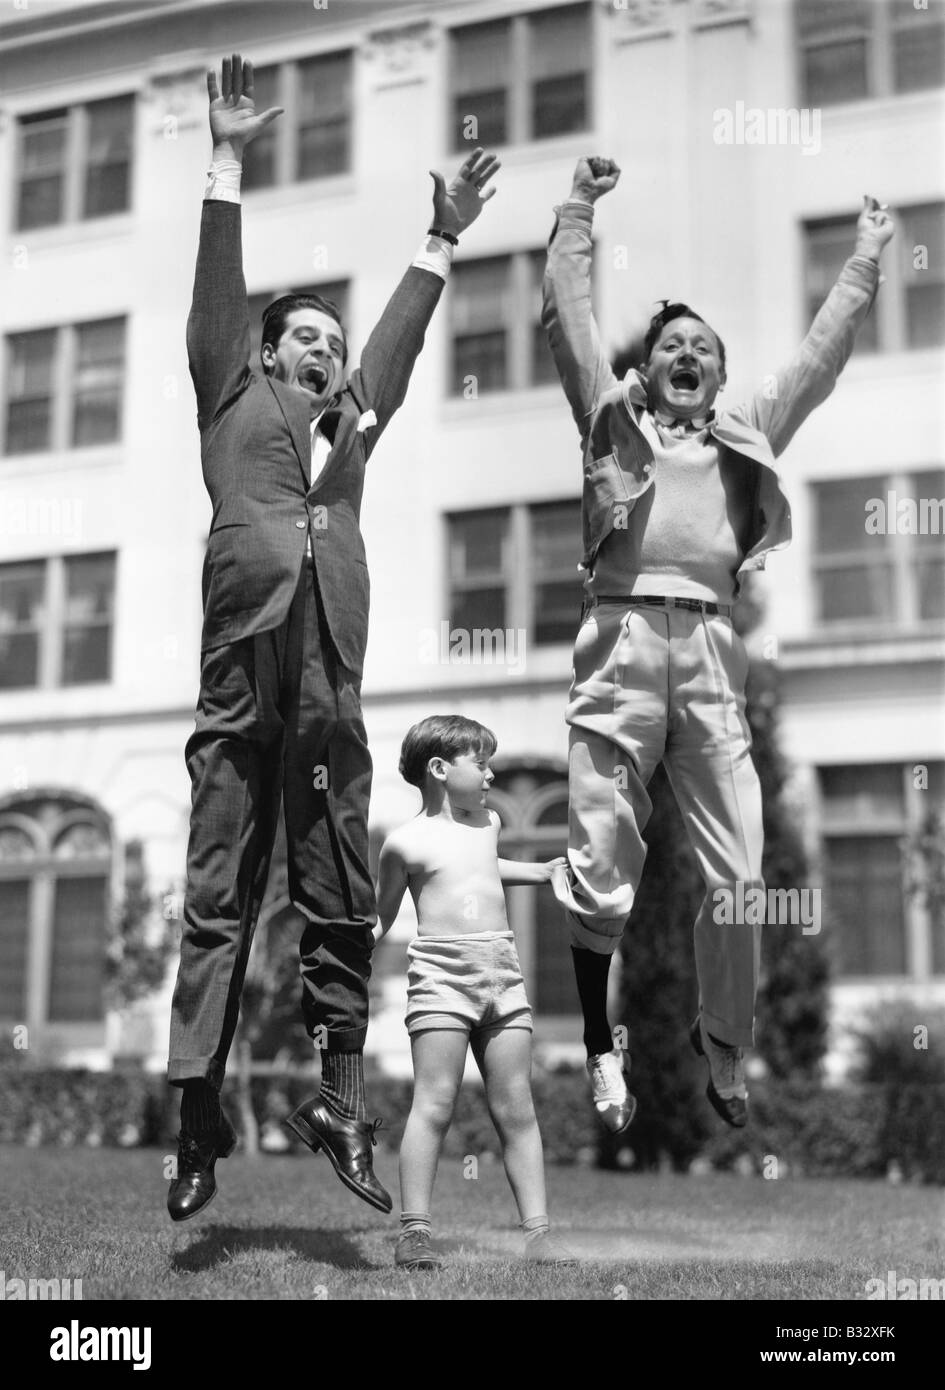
[{"x": 658, "y": 684}]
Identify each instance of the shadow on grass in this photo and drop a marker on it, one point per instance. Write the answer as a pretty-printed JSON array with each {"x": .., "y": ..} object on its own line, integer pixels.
[{"x": 218, "y": 1245}]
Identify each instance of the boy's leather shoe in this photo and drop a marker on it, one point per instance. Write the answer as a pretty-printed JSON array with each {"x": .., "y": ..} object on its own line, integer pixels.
[
  {"x": 195, "y": 1185},
  {"x": 414, "y": 1251},
  {"x": 727, "y": 1067},
  {"x": 347, "y": 1144}
]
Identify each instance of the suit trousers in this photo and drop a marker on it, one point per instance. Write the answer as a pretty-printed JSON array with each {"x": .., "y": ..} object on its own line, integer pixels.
[
  {"x": 654, "y": 684},
  {"x": 278, "y": 716}
]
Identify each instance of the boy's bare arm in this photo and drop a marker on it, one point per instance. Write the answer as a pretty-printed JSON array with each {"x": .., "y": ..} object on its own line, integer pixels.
[
  {"x": 512, "y": 872},
  {"x": 391, "y": 886}
]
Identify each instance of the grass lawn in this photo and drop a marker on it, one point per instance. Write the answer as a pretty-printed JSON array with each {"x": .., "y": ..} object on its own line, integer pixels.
[{"x": 285, "y": 1228}]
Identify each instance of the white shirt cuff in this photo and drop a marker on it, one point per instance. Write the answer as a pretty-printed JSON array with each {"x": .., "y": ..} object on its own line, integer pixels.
[
  {"x": 223, "y": 181},
  {"x": 435, "y": 254}
]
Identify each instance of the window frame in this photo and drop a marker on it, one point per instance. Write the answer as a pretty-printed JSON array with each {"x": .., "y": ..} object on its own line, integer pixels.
[
  {"x": 76, "y": 164},
  {"x": 520, "y": 84},
  {"x": 901, "y": 552},
  {"x": 52, "y": 631},
  {"x": 63, "y": 395},
  {"x": 519, "y": 580}
]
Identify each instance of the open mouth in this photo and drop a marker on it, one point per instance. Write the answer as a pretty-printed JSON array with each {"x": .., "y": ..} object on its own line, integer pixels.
[
  {"x": 684, "y": 379},
  {"x": 314, "y": 378}
]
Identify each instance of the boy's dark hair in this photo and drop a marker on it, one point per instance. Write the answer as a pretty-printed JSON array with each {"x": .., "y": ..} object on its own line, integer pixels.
[
  {"x": 666, "y": 315},
  {"x": 445, "y": 736},
  {"x": 276, "y": 314}
]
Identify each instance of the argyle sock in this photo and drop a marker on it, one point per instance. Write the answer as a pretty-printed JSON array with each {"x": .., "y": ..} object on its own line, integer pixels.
[
  {"x": 199, "y": 1108},
  {"x": 415, "y": 1221},
  {"x": 343, "y": 1084},
  {"x": 591, "y": 970}
]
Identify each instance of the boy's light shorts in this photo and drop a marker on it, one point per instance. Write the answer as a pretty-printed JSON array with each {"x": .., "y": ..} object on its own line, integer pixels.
[{"x": 471, "y": 983}]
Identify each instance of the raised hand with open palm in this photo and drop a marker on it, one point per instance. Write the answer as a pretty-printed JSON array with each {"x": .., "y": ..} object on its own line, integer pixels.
[{"x": 234, "y": 120}]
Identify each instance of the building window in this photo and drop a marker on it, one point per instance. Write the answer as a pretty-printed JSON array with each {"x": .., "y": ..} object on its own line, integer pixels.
[
  {"x": 497, "y": 342},
  {"x": 519, "y": 79},
  {"x": 56, "y": 621},
  {"x": 877, "y": 556},
  {"x": 74, "y": 163},
  {"x": 338, "y": 291},
  {"x": 909, "y": 311},
  {"x": 854, "y": 49},
  {"x": 55, "y": 865},
  {"x": 870, "y": 819},
  {"x": 64, "y": 387},
  {"x": 516, "y": 568},
  {"x": 532, "y": 803},
  {"x": 313, "y": 139}
]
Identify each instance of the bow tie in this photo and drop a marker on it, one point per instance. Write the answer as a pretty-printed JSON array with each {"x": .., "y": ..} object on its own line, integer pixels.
[{"x": 680, "y": 429}]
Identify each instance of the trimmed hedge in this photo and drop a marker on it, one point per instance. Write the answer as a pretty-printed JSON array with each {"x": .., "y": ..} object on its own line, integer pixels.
[{"x": 864, "y": 1130}]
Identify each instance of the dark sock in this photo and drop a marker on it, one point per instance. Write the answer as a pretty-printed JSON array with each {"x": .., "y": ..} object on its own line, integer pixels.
[
  {"x": 591, "y": 970},
  {"x": 343, "y": 1084},
  {"x": 199, "y": 1108}
]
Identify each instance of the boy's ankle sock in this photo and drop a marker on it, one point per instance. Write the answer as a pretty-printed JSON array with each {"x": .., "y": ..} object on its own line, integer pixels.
[
  {"x": 343, "y": 1084},
  {"x": 534, "y": 1228},
  {"x": 199, "y": 1108},
  {"x": 591, "y": 970},
  {"x": 415, "y": 1221}
]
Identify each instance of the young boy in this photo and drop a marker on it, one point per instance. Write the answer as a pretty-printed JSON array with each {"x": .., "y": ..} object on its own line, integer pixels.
[{"x": 464, "y": 981}]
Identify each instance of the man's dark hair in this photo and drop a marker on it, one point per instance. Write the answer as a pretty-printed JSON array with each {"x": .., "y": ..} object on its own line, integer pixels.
[
  {"x": 275, "y": 316},
  {"x": 445, "y": 736},
  {"x": 666, "y": 315}
]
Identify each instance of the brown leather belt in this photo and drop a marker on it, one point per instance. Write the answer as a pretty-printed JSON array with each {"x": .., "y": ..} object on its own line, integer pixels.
[{"x": 692, "y": 605}]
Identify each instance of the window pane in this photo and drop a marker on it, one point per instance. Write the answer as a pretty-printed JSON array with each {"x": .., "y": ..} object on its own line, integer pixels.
[
  {"x": 30, "y": 359},
  {"x": 841, "y": 512},
  {"x": 829, "y": 245},
  {"x": 78, "y": 950},
  {"x": 930, "y": 575},
  {"x": 836, "y": 72},
  {"x": 324, "y": 132},
  {"x": 21, "y": 622},
  {"x": 559, "y": 59},
  {"x": 855, "y": 592},
  {"x": 477, "y": 544},
  {"x": 862, "y": 794},
  {"x": 923, "y": 241},
  {"x": 14, "y": 945},
  {"x": 87, "y": 631},
  {"x": 918, "y": 47},
  {"x": 556, "y": 547},
  {"x": 480, "y": 312},
  {"x": 99, "y": 377},
  {"x": 108, "y": 169},
  {"x": 479, "y": 78},
  {"x": 42, "y": 169},
  {"x": 482, "y": 608},
  {"x": 864, "y": 905},
  {"x": 259, "y": 156}
]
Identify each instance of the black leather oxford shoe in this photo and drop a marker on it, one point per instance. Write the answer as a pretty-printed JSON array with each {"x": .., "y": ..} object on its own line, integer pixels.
[
  {"x": 348, "y": 1145},
  {"x": 727, "y": 1065},
  {"x": 195, "y": 1185}
]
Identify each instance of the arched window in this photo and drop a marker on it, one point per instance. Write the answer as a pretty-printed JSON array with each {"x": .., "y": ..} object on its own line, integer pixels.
[
  {"x": 55, "y": 869},
  {"x": 531, "y": 799}
]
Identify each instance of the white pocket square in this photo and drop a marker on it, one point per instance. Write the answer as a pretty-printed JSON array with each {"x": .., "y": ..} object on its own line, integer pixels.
[{"x": 366, "y": 421}]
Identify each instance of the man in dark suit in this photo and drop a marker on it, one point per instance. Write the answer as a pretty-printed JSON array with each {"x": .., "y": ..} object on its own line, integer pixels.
[{"x": 285, "y": 591}]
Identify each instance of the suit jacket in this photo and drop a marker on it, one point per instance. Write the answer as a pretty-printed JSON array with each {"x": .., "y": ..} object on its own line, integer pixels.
[
  {"x": 618, "y": 462},
  {"x": 255, "y": 444}
]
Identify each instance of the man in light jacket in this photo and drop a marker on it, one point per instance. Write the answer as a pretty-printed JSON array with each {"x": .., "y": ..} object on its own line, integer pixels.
[{"x": 679, "y": 502}]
